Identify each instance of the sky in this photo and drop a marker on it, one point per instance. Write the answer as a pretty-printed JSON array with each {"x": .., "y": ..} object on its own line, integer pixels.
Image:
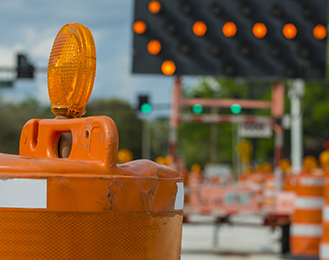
[{"x": 30, "y": 27}]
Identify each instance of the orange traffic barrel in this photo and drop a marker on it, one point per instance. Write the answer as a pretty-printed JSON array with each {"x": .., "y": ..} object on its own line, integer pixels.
[
  {"x": 243, "y": 179},
  {"x": 306, "y": 228},
  {"x": 256, "y": 183},
  {"x": 324, "y": 247},
  {"x": 269, "y": 192},
  {"x": 64, "y": 196},
  {"x": 290, "y": 182},
  {"x": 195, "y": 177},
  {"x": 86, "y": 206}
]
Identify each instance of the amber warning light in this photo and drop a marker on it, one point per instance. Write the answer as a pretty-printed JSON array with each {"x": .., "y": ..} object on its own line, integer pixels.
[
  {"x": 139, "y": 27},
  {"x": 259, "y": 30},
  {"x": 320, "y": 32},
  {"x": 289, "y": 31},
  {"x": 199, "y": 28},
  {"x": 168, "y": 67},
  {"x": 154, "y": 7},
  {"x": 229, "y": 29},
  {"x": 71, "y": 70}
]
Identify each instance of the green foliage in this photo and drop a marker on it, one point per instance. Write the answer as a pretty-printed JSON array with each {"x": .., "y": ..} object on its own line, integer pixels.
[
  {"x": 315, "y": 117},
  {"x": 128, "y": 124},
  {"x": 159, "y": 137},
  {"x": 13, "y": 117},
  {"x": 194, "y": 139}
]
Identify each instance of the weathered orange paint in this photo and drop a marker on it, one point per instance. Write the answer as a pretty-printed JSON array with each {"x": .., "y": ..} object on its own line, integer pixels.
[{"x": 95, "y": 208}]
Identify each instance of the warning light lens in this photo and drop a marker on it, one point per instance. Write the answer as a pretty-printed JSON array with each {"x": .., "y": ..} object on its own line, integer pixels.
[
  {"x": 259, "y": 30},
  {"x": 71, "y": 70},
  {"x": 320, "y": 32},
  {"x": 199, "y": 28},
  {"x": 154, "y": 47},
  {"x": 139, "y": 27},
  {"x": 229, "y": 29},
  {"x": 154, "y": 7},
  {"x": 168, "y": 67},
  {"x": 289, "y": 31}
]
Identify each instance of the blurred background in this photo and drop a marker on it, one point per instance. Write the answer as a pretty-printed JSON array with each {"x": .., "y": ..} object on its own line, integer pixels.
[{"x": 236, "y": 62}]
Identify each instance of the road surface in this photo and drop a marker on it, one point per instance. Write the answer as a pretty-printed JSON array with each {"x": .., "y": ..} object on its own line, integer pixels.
[{"x": 234, "y": 242}]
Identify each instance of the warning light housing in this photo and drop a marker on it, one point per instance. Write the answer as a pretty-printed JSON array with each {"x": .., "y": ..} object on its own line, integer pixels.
[{"x": 71, "y": 70}]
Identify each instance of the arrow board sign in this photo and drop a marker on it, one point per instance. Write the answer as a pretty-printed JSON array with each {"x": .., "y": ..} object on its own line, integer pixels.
[{"x": 255, "y": 130}]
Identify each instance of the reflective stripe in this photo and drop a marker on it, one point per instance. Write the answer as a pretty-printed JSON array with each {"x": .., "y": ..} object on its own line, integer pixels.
[
  {"x": 307, "y": 230},
  {"x": 324, "y": 251},
  {"x": 325, "y": 213},
  {"x": 179, "y": 202},
  {"x": 23, "y": 193},
  {"x": 309, "y": 181},
  {"x": 304, "y": 202},
  {"x": 269, "y": 193},
  {"x": 256, "y": 187}
]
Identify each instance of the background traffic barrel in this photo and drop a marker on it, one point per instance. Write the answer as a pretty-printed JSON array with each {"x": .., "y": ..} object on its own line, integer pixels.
[
  {"x": 269, "y": 192},
  {"x": 256, "y": 183},
  {"x": 306, "y": 228},
  {"x": 324, "y": 248}
]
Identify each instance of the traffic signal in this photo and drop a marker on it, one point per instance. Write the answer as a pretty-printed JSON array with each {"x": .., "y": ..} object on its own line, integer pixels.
[
  {"x": 197, "y": 109},
  {"x": 24, "y": 69},
  {"x": 256, "y": 38},
  {"x": 143, "y": 104},
  {"x": 235, "y": 109}
]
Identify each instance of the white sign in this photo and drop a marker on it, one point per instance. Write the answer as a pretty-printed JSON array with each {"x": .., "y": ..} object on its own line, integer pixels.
[{"x": 255, "y": 130}]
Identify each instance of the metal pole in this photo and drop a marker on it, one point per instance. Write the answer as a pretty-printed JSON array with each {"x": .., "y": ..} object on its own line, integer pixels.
[
  {"x": 296, "y": 93},
  {"x": 146, "y": 145},
  {"x": 177, "y": 94},
  {"x": 277, "y": 112}
]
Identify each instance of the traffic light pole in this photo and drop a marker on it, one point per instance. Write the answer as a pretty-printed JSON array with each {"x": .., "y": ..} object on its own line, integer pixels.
[
  {"x": 296, "y": 93},
  {"x": 176, "y": 106}
]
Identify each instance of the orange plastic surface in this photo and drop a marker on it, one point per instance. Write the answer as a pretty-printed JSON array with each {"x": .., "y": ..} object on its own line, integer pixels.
[
  {"x": 95, "y": 208},
  {"x": 304, "y": 246},
  {"x": 308, "y": 186},
  {"x": 32, "y": 235}
]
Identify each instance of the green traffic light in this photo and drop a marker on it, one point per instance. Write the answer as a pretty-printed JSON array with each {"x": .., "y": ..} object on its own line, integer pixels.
[
  {"x": 146, "y": 108},
  {"x": 235, "y": 109},
  {"x": 197, "y": 109}
]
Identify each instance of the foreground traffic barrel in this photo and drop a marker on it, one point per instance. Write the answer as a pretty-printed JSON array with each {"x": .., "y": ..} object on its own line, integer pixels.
[
  {"x": 306, "y": 228},
  {"x": 64, "y": 196}
]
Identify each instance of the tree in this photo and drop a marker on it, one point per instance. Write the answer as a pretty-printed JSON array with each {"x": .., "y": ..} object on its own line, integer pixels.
[{"x": 128, "y": 124}]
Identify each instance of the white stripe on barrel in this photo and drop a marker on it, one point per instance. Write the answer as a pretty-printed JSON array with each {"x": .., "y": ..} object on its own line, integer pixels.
[
  {"x": 309, "y": 202},
  {"x": 325, "y": 213},
  {"x": 324, "y": 251},
  {"x": 306, "y": 230}
]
